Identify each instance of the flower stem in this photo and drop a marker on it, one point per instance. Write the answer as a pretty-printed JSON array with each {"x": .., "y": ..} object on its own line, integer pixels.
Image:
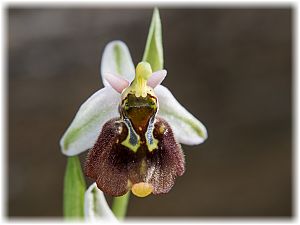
[{"x": 119, "y": 206}]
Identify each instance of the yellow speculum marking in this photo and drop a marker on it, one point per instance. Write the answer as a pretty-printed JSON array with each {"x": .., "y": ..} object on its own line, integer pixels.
[
  {"x": 131, "y": 134},
  {"x": 127, "y": 143},
  {"x": 142, "y": 189},
  {"x": 152, "y": 146}
]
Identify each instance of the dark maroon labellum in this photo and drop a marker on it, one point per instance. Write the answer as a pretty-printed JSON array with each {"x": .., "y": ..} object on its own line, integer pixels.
[{"x": 116, "y": 168}]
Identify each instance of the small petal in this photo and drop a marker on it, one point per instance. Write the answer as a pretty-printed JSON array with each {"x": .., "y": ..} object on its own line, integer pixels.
[
  {"x": 187, "y": 129},
  {"x": 156, "y": 78},
  {"x": 87, "y": 124},
  {"x": 116, "y": 82},
  {"x": 95, "y": 206},
  {"x": 117, "y": 60}
]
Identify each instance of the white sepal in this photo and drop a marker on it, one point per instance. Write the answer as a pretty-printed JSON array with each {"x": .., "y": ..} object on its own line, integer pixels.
[
  {"x": 116, "y": 59},
  {"x": 187, "y": 128},
  {"x": 87, "y": 124}
]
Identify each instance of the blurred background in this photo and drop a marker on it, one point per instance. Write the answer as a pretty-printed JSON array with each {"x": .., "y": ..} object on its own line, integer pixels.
[{"x": 232, "y": 68}]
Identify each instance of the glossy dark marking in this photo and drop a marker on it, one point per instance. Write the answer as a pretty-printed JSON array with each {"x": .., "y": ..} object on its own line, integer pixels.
[
  {"x": 133, "y": 140},
  {"x": 139, "y": 111}
]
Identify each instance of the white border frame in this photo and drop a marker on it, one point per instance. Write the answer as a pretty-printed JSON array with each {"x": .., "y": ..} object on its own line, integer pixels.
[{"x": 164, "y": 3}]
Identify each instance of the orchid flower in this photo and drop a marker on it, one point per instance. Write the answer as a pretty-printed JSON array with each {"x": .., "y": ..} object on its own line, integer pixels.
[{"x": 133, "y": 127}]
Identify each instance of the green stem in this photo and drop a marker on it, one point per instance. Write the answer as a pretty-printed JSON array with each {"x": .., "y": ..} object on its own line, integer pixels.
[{"x": 119, "y": 206}]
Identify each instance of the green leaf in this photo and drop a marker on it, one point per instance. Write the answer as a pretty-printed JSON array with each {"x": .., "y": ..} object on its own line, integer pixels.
[
  {"x": 154, "y": 49},
  {"x": 74, "y": 189}
]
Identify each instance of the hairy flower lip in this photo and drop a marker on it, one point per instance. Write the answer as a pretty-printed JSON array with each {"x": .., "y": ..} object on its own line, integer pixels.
[{"x": 117, "y": 169}]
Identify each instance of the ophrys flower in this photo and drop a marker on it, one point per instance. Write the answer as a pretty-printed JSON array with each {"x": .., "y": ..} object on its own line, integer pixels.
[{"x": 133, "y": 127}]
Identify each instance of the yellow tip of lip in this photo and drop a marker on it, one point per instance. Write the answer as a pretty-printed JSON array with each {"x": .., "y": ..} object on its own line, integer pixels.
[{"x": 142, "y": 189}]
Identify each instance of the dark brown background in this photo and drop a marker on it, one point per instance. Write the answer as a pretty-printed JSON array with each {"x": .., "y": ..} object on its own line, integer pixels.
[{"x": 232, "y": 68}]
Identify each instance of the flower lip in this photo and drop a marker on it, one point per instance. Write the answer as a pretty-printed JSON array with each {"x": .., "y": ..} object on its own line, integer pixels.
[{"x": 113, "y": 165}]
